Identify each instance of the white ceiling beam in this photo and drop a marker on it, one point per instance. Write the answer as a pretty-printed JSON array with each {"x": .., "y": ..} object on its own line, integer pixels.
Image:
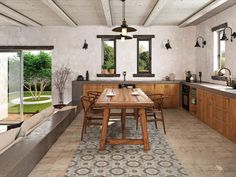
[
  {"x": 11, "y": 21},
  {"x": 13, "y": 14},
  {"x": 202, "y": 12},
  {"x": 107, "y": 11},
  {"x": 59, "y": 11},
  {"x": 155, "y": 11}
]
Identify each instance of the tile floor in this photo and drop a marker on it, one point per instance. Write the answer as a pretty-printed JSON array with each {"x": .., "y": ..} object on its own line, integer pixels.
[{"x": 202, "y": 151}]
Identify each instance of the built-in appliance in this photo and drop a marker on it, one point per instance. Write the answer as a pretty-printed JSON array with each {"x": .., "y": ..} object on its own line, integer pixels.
[
  {"x": 193, "y": 101},
  {"x": 185, "y": 96}
]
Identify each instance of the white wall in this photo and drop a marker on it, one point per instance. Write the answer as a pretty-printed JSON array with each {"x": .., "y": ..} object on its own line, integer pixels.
[
  {"x": 68, "y": 42},
  {"x": 204, "y": 57},
  {"x": 3, "y": 87}
]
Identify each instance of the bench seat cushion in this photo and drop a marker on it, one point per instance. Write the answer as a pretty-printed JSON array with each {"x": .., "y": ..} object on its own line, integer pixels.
[{"x": 8, "y": 137}]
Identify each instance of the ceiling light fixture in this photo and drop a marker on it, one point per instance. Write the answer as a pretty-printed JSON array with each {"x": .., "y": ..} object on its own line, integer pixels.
[
  {"x": 124, "y": 28},
  {"x": 232, "y": 35},
  {"x": 203, "y": 42}
]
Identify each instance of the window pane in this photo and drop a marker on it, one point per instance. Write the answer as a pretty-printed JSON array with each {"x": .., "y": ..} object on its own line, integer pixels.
[
  {"x": 109, "y": 54},
  {"x": 144, "y": 64},
  {"x": 222, "y": 51}
]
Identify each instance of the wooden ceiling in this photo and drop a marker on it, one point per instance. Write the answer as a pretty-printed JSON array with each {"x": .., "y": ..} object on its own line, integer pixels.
[{"x": 108, "y": 12}]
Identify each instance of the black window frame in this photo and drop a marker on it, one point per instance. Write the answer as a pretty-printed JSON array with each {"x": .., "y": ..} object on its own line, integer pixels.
[
  {"x": 150, "y": 55},
  {"x": 109, "y": 39}
]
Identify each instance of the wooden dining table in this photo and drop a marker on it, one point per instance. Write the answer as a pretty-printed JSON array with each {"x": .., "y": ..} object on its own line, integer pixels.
[{"x": 124, "y": 99}]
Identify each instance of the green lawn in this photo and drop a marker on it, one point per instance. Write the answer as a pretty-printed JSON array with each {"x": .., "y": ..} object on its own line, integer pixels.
[
  {"x": 32, "y": 100},
  {"x": 15, "y": 109}
]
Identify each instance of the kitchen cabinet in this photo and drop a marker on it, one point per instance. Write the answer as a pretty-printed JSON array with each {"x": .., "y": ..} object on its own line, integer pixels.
[
  {"x": 200, "y": 104},
  {"x": 146, "y": 88},
  {"x": 97, "y": 87},
  {"x": 218, "y": 112},
  {"x": 221, "y": 119},
  {"x": 171, "y": 91},
  {"x": 91, "y": 87},
  {"x": 232, "y": 114}
]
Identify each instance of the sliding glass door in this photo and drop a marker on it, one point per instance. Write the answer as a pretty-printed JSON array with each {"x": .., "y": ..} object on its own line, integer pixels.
[
  {"x": 25, "y": 83},
  {"x": 11, "y": 91}
]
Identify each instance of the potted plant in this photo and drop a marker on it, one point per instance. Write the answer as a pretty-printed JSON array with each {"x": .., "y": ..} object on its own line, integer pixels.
[
  {"x": 60, "y": 77},
  {"x": 112, "y": 69},
  {"x": 104, "y": 69}
]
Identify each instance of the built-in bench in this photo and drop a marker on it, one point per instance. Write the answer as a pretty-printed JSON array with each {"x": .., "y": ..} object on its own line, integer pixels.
[{"x": 20, "y": 159}]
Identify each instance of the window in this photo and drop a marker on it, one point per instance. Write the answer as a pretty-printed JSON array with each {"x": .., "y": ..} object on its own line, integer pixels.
[
  {"x": 219, "y": 47},
  {"x": 144, "y": 64},
  {"x": 109, "y": 55}
]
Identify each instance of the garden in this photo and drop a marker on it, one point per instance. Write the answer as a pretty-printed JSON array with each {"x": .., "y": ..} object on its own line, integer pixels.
[{"x": 37, "y": 83}]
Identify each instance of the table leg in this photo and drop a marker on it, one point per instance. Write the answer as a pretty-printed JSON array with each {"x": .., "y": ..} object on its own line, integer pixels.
[
  {"x": 144, "y": 128},
  {"x": 123, "y": 115},
  {"x": 106, "y": 115}
]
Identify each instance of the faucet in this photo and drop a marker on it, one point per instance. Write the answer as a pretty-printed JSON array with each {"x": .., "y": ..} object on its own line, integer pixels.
[{"x": 229, "y": 80}]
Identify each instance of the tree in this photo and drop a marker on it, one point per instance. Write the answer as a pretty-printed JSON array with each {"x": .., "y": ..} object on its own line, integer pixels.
[
  {"x": 108, "y": 55},
  {"x": 37, "y": 73},
  {"x": 144, "y": 61}
]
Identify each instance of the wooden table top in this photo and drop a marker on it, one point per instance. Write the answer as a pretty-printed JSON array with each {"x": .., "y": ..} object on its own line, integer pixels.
[{"x": 123, "y": 98}]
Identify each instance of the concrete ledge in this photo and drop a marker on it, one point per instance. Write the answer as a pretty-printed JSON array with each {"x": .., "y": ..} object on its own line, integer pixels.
[{"x": 19, "y": 160}]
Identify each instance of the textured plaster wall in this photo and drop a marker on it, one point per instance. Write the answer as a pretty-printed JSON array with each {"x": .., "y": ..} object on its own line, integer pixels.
[
  {"x": 3, "y": 87},
  {"x": 204, "y": 57},
  {"x": 68, "y": 42}
]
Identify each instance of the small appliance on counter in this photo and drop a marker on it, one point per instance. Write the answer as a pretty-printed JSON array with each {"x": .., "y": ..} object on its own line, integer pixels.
[
  {"x": 193, "y": 78},
  {"x": 188, "y": 76},
  {"x": 80, "y": 78}
]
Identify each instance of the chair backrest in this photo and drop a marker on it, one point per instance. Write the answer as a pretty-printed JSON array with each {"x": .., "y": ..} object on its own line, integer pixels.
[
  {"x": 158, "y": 100},
  {"x": 93, "y": 95},
  {"x": 86, "y": 103}
]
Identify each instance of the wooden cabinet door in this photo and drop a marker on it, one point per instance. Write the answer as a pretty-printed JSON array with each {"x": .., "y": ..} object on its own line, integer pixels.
[
  {"x": 146, "y": 88},
  {"x": 91, "y": 87},
  {"x": 221, "y": 119},
  {"x": 200, "y": 104},
  {"x": 232, "y": 114},
  {"x": 209, "y": 109},
  {"x": 112, "y": 86},
  {"x": 171, "y": 91}
]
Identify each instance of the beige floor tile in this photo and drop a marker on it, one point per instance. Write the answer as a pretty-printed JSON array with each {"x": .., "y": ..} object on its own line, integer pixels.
[{"x": 201, "y": 150}]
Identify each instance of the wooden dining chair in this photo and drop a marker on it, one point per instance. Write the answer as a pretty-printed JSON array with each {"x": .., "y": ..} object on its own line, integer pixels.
[
  {"x": 156, "y": 111},
  {"x": 90, "y": 114}
]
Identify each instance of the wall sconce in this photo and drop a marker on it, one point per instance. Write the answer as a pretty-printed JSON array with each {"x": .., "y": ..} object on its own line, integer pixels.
[
  {"x": 85, "y": 45},
  {"x": 167, "y": 45},
  {"x": 225, "y": 38},
  {"x": 203, "y": 42}
]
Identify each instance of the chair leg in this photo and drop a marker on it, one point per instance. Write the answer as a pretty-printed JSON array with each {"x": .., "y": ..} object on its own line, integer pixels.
[
  {"x": 136, "y": 117},
  {"x": 83, "y": 127},
  {"x": 155, "y": 117},
  {"x": 163, "y": 122}
]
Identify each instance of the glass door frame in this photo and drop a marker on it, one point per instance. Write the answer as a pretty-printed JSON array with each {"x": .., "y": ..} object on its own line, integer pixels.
[{"x": 21, "y": 78}]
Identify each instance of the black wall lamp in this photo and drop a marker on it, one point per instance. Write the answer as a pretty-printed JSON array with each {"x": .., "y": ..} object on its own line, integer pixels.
[
  {"x": 232, "y": 35},
  {"x": 85, "y": 45},
  {"x": 203, "y": 42},
  {"x": 167, "y": 45}
]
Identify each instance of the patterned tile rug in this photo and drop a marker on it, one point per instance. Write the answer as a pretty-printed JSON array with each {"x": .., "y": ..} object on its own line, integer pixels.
[{"x": 124, "y": 160}]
